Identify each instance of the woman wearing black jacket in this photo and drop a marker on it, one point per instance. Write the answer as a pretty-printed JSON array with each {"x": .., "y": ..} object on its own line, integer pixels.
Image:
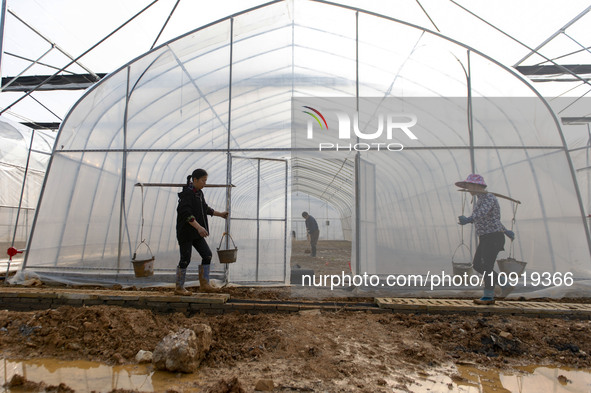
[{"x": 191, "y": 230}]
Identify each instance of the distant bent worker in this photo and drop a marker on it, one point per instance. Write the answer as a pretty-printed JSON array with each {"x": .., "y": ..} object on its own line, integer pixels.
[{"x": 313, "y": 231}]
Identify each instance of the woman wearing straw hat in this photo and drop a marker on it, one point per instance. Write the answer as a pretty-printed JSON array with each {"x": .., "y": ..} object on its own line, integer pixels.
[{"x": 486, "y": 217}]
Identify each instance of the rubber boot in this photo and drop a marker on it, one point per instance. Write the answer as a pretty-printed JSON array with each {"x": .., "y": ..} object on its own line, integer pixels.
[
  {"x": 204, "y": 285},
  {"x": 488, "y": 297},
  {"x": 180, "y": 282}
]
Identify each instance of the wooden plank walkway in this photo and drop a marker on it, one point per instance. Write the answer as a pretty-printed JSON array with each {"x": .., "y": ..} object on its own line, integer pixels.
[
  {"x": 500, "y": 307},
  {"x": 30, "y": 298}
]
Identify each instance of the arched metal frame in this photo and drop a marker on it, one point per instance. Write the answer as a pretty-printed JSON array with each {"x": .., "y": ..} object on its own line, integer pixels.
[{"x": 315, "y": 182}]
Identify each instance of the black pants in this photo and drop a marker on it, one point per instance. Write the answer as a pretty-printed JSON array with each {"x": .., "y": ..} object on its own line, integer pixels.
[
  {"x": 202, "y": 248},
  {"x": 313, "y": 241},
  {"x": 485, "y": 257}
]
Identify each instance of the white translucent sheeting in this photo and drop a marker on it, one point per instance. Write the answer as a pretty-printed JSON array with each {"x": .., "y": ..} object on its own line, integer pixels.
[
  {"x": 418, "y": 219},
  {"x": 260, "y": 219},
  {"x": 576, "y": 124},
  {"x": 223, "y": 98},
  {"x": 22, "y": 163}
]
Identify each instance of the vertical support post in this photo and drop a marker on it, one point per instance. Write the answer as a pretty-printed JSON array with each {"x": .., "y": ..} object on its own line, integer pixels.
[
  {"x": 228, "y": 147},
  {"x": 292, "y": 139},
  {"x": 2, "y": 23},
  {"x": 258, "y": 215},
  {"x": 588, "y": 163},
  {"x": 471, "y": 136},
  {"x": 470, "y": 116},
  {"x": 123, "y": 174},
  {"x": 286, "y": 236},
  {"x": 357, "y": 158},
  {"x": 229, "y": 210},
  {"x": 293, "y": 154},
  {"x": 20, "y": 202},
  {"x": 292, "y": 51}
]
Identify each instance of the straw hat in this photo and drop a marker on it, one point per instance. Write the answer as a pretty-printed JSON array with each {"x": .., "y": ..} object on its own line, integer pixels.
[{"x": 472, "y": 179}]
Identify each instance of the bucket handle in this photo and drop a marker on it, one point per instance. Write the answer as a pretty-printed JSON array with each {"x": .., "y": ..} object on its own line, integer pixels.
[
  {"x": 230, "y": 236},
  {"x": 456, "y": 250},
  {"x": 142, "y": 231},
  {"x": 464, "y": 200},
  {"x": 512, "y": 245},
  {"x": 137, "y": 248}
]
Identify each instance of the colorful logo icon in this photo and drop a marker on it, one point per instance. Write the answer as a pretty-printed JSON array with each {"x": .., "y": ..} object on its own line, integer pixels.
[{"x": 316, "y": 117}]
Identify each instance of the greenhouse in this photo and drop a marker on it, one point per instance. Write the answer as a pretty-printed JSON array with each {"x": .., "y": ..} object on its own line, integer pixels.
[
  {"x": 24, "y": 156},
  {"x": 374, "y": 117}
]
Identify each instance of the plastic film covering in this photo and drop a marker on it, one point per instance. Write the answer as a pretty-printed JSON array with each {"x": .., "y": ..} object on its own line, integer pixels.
[
  {"x": 24, "y": 155},
  {"x": 230, "y": 98},
  {"x": 259, "y": 219}
]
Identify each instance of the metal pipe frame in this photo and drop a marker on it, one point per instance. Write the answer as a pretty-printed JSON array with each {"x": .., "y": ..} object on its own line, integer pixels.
[
  {"x": 20, "y": 202},
  {"x": 556, "y": 34},
  {"x": 357, "y": 191},
  {"x": 2, "y": 23},
  {"x": 33, "y": 62},
  {"x": 228, "y": 153},
  {"x": 76, "y": 59},
  {"x": 56, "y": 46},
  {"x": 507, "y": 69},
  {"x": 123, "y": 173}
]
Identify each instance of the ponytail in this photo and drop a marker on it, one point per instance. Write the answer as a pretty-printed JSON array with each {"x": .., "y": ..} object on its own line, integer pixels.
[{"x": 189, "y": 180}]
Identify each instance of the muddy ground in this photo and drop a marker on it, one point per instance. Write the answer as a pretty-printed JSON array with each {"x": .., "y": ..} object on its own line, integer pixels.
[
  {"x": 328, "y": 351},
  {"x": 311, "y": 351}
]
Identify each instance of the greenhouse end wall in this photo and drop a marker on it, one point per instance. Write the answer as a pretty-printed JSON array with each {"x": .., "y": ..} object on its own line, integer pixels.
[{"x": 232, "y": 98}]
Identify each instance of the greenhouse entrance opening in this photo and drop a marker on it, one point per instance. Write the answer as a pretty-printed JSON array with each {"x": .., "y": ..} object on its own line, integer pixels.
[
  {"x": 333, "y": 247},
  {"x": 323, "y": 187},
  {"x": 259, "y": 220}
]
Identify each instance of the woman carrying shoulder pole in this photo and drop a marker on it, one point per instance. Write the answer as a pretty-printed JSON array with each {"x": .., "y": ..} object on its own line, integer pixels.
[
  {"x": 486, "y": 218},
  {"x": 191, "y": 230}
]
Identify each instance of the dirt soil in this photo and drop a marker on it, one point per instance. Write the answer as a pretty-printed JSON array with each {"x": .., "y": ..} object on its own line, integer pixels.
[
  {"x": 308, "y": 351},
  {"x": 332, "y": 256}
]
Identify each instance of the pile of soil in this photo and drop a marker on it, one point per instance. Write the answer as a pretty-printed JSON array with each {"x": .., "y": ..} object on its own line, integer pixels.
[{"x": 310, "y": 350}]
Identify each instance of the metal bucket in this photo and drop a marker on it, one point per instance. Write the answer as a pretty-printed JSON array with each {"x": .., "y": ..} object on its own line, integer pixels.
[
  {"x": 229, "y": 255},
  {"x": 460, "y": 268},
  {"x": 511, "y": 265},
  {"x": 143, "y": 267}
]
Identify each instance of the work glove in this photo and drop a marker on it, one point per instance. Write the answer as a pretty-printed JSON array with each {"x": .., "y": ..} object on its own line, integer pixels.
[
  {"x": 510, "y": 234},
  {"x": 463, "y": 220}
]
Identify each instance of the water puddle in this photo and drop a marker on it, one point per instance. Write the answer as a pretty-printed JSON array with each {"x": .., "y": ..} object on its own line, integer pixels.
[
  {"x": 531, "y": 379},
  {"x": 86, "y": 376}
]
